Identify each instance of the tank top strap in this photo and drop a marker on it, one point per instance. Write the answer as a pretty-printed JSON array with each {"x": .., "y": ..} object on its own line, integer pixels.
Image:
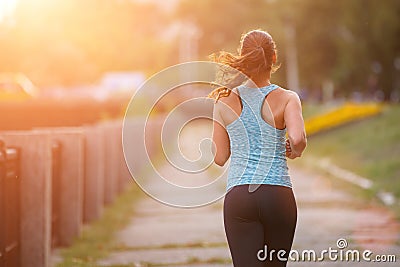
[
  {"x": 253, "y": 98},
  {"x": 249, "y": 95},
  {"x": 268, "y": 89}
]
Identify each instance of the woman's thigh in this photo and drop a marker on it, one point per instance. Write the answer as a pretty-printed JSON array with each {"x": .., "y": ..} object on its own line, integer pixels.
[
  {"x": 266, "y": 217},
  {"x": 244, "y": 231},
  {"x": 278, "y": 214}
]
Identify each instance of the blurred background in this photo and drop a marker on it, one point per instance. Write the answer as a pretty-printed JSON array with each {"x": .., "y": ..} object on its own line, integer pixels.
[
  {"x": 101, "y": 49},
  {"x": 68, "y": 63},
  {"x": 74, "y": 63}
]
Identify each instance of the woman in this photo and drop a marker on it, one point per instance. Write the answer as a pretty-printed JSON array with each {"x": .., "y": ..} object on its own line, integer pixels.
[{"x": 250, "y": 126}]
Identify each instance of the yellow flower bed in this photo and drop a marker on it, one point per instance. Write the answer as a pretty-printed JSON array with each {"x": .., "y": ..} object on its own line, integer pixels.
[{"x": 346, "y": 113}]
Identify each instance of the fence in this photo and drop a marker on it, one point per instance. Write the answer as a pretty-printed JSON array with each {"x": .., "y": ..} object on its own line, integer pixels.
[
  {"x": 52, "y": 180},
  {"x": 9, "y": 206},
  {"x": 55, "y": 189}
]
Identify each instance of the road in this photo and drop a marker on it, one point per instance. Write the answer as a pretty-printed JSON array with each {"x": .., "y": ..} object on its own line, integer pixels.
[{"x": 160, "y": 235}]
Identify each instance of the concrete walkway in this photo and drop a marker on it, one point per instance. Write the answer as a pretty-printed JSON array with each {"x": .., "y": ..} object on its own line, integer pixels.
[{"x": 159, "y": 235}]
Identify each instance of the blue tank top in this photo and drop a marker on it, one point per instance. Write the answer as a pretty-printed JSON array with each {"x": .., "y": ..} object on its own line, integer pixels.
[{"x": 257, "y": 148}]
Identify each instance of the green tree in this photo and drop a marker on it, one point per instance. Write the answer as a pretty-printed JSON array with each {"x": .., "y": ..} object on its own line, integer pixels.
[
  {"x": 371, "y": 37},
  {"x": 336, "y": 40}
]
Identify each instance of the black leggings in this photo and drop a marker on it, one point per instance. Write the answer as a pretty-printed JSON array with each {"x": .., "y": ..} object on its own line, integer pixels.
[{"x": 267, "y": 216}]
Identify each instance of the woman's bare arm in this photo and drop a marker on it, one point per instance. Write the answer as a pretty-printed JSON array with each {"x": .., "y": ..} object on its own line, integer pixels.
[
  {"x": 221, "y": 148},
  {"x": 297, "y": 141}
]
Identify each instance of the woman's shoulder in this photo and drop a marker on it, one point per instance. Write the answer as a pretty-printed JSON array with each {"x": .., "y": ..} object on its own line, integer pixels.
[
  {"x": 284, "y": 96},
  {"x": 230, "y": 99},
  {"x": 228, "y": 106},
  {"x": 289, "y": 94}
]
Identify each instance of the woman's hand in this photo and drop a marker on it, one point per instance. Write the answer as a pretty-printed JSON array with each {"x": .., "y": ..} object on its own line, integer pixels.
[{"x": 289, "y": 153}]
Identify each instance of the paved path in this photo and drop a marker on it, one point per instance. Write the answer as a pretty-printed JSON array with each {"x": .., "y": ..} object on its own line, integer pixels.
[{"x": 159, "y": 235}]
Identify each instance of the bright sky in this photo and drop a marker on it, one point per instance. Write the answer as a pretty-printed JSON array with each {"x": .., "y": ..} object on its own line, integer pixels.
[{"x": 6, "y": 8}]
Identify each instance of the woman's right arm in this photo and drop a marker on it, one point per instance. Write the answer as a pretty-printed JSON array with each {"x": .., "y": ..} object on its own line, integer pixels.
[
  {"x": 295, "y": 127},
  {"x": 221, "y": 148}
]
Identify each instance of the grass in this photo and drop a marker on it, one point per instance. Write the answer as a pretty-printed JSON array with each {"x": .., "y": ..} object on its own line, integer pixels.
[
  {"x": 96, "y": 240},
  {"x": 370, "y": 148}
]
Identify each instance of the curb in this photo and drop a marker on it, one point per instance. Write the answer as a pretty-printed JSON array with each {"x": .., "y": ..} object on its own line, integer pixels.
[{"x": 326, "y": 164}]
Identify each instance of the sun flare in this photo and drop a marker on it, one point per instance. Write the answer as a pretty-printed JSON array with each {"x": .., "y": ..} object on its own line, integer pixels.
[{"x": 6, "y": 8}]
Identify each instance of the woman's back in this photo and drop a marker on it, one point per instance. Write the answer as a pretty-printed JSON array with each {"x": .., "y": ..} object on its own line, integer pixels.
[
  {"x": 257, "y": 146},
  {"x": 272, "y": 109},
  {"x": 280, "y": 108}
]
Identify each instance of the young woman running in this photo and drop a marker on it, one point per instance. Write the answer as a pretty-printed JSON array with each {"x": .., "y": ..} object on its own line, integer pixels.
[{"x": 250, "y": 126}]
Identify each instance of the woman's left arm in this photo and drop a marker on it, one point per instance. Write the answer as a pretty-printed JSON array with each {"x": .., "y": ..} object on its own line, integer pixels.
[
  {"x": 297, "y": 141},
  {"x": 221, "y": 148}
]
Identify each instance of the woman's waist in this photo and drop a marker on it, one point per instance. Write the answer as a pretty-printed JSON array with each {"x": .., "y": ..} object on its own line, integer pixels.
[
  {"x": 259, "y": 157},
  {"x": 282, "y": 179},
  {"x": 275, "y": 166}
]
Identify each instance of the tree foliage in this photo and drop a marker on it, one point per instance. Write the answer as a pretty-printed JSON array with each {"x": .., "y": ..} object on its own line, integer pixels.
[{"x": 353, "y": 43}]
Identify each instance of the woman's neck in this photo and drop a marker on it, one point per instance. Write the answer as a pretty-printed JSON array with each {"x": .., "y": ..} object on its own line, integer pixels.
[{"x": 257, "y": 83}]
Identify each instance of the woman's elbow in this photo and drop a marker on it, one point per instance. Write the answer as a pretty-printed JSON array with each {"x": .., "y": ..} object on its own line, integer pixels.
[
  {"x": 220, "y": 160},
  {"x": 298, "y": 144},
  {"x": 221, "y": 156},
  {"x": 302, "y": 146}
]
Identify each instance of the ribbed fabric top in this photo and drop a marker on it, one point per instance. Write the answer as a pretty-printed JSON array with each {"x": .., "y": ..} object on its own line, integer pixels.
[{"x": 257, "y": 148}]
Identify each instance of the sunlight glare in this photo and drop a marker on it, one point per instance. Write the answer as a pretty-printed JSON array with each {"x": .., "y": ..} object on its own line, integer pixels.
[{"x": 6, "y": 8}]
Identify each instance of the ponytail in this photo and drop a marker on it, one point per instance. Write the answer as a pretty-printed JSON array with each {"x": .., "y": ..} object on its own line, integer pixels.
[{"x": 256, "y": 56}]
